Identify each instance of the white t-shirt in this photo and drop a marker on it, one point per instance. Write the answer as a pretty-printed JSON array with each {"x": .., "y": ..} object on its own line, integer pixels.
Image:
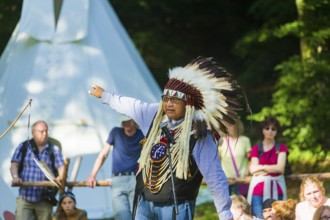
[
  {"x": 306, "y": 212},
  {"x": 239, "y": 148}
]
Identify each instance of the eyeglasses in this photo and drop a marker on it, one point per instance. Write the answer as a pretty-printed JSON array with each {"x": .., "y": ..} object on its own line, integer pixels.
[
  {"x": 326, "y": 217},
  {"x": 42, "y": 131},
  {"x": 270, "y": 128},
  {"x": 174, "y": 100}
]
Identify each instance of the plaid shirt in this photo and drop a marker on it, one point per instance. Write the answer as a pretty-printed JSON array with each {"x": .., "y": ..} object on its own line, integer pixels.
[{"x": 32, "y": 173}]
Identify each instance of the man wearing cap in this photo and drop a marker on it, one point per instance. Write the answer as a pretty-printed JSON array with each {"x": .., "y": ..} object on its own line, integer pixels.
[
  {"x": 125, "y": 142},
  {"x": 267, "y": 208},
  {"x": 198, "y": 101}
]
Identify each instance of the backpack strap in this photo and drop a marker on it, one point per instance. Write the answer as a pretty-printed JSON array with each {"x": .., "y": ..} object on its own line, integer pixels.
[
  {"x": 260, "y": 149},
  {"x": 52, "y": 157},
  {"x": 33, "y": 145},
  {"x": 23, "y": 151},
  {"x": 277, "y": 147}
]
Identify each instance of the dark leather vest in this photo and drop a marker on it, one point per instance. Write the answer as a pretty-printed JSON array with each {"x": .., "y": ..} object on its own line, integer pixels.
[{"x": 185, "y": 189}]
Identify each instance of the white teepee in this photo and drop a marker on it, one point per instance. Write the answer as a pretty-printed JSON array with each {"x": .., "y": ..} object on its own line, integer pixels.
[{"x": 55, "y": 65}]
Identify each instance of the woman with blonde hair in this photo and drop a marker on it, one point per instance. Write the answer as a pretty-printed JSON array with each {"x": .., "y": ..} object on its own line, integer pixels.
[
  {"x": 312, "y": 196},
  {"x": 234, "y": 151},
  {"x": 284, "y": 210}
]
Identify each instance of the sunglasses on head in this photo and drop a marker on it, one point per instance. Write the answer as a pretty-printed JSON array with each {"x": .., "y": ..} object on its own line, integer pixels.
[{"x": 270, "y": 128}]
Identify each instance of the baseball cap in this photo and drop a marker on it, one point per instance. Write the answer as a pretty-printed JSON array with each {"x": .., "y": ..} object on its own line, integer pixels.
[
  {"x": 123, "y": 117},
  {"x": 268, "y": 203}
]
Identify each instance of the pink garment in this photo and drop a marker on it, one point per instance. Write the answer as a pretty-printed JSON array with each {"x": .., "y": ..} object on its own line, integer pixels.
[{"x": 267, "y": 158}]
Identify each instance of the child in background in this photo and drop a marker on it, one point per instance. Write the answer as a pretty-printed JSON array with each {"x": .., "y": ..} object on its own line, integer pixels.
[{"x": 67, "y": 209}]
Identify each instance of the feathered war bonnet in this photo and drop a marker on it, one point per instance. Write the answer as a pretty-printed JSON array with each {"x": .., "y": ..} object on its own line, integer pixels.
[{"x": 211, "y": 96}]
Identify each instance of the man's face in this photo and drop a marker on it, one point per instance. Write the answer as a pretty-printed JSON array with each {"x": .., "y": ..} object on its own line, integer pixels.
[
  {"x": 174, "y": 107},
  {"x": 267, "y": 213},
  {"x": 128, "y": 125},
  {"x": 40, "y": 133}
]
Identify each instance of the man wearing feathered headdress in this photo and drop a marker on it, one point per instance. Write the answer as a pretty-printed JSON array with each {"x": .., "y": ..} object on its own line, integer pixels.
[{"x": 198, "y": 102}]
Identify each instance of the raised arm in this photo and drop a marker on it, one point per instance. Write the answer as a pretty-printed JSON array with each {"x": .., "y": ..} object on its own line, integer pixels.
[{"x": 96, "y": 91}]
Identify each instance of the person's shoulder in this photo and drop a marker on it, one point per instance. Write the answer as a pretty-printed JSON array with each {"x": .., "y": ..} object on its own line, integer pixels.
[
  {"x": 82, "y": 213},
  {"x": 283, "y": 147},
  {"x": 244, "y": 138},
  {"x": 56, "y": 215},
  {"x": 255, "y": 147},
  {"x": 302, "y": 205},
  {"x": 115, "y": 130},
  {"x": 139, "y": 130},
  {"x": 327, "y": 202}
]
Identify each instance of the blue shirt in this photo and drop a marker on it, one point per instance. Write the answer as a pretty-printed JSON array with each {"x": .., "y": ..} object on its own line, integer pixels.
[
  {"x": 32, "y": 173},
  {"x": 126, "y": 150},
  {"x": 205, "y": 151}
]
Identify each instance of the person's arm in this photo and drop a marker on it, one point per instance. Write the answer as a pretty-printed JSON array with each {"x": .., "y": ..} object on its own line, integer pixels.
[
  {"x": 262, "y": 169},
  {"x": 208, "y": 162},
  {"x": 256, "y": 168},
  {"x": 98, "y": 164},
  {"x": 60, "y": 171},
  {"x": 141, "y": 112},
  {"x": 14, "y": 173},
  {"x": 279, "y": 167},
  {"x": 247, "y": 172},
  {"x": 247, "y": 147}
]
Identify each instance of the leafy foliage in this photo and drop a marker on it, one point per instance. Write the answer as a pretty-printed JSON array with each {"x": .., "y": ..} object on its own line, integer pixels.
[
  {"x": 301, "y": 96},
  {"x": 8, "y": 19}
]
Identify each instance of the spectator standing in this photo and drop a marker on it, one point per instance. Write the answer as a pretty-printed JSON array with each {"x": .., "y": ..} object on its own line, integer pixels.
[
  {"x": 312, "y": 196},
  {"x": 125, "y": 142},
  {"x": 197, "y": 100},
  {"x": 32, "y": 202},
  {"x": 67, "y": 209},
  {"x": 267, "y": 168},
  {"x": 234, "y": 151}
]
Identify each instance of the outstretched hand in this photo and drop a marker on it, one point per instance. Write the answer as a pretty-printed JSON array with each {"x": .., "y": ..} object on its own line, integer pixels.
[{"x": 96, "y": 91}]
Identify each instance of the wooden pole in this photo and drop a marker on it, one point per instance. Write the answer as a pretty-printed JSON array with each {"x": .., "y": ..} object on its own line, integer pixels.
[
  {"x": 321, "y": 176},
  {"x": 69, "y": 184}
]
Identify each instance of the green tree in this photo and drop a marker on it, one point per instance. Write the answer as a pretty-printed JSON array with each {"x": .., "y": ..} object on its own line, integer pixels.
[
  {"x": 302, "y": 94},
  {"x": 9, "y": 15}
]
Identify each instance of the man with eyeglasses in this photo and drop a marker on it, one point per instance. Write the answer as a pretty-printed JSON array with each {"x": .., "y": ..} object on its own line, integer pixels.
[
  {"x": 33, "y": 202},
  {"x": 180, "y": 148}
]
